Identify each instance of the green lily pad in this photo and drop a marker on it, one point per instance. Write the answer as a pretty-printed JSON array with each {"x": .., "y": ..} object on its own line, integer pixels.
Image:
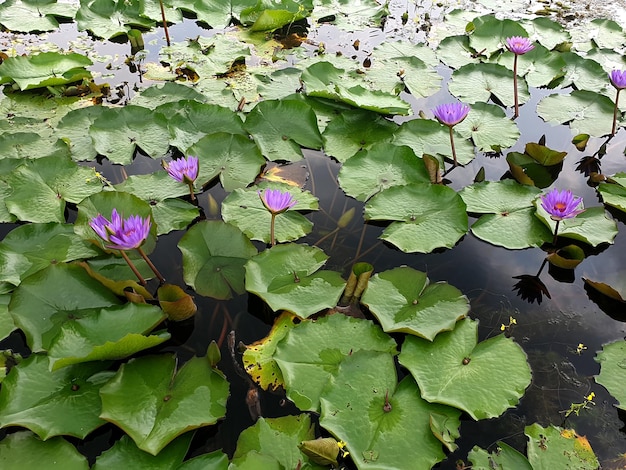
[
  {"x": 170, "y": 92},
  {"x": 504, "y": 456},
  {"x": 216, "y": 460},
  {"x": 614, "y": 192},
  {"x": 554, "y": 447},
  {"x": 108, "y": 19},
  {"x": 592, "y": 226},
  {"x": 495, "y": 368},
  {"x": 244, "y": 209},
  {"x": 430, "y": 137},
  {"x": 287, "y": 277},
  {"x": 71, "y": 128},
  {"x": 188, "y": 121},
  {"x": 364, "y": 406},
  {"x": 6, "y": 322},
  {"x": 312, "y": 351},
  {"x": 489, "y": 33},
  {"x": 28, "y": 16},
  {"x": 214, "y": 254},
  {"x": 45, "y": 69},
  {"x": 425, "y": 216},
  {"x": 488, "y": 127},
  {"x": 455, "y": 51},
  {"x": 324, "y": 80},
  {"x": 235, "y": 158},
  {"x": 24, "y": 450},
  {"x": 404, "y": 300},
  {"x": 540, "y": 67},
  {"x": 111, "y": 333},
  {"x": 219, "y": 13},
  {"x": 117, "y": 133},
  {"x": 280, "y": 128},
  {"x": 55, "y": 295},
  {"x": 606, "y": 33},
  {"x": 567, "y": 257},
  {"x": 478, "y": 82},
  {"x": 585, "y": 111},
  {"x": 355, "y": 130},
  {"x": 350, "y": 16},
  {"x": 258, "y": 358},
  {"x": 612, "y": 374},
  {"x": 40, "y": 188},
  {"x": 26, "y": 145},
  {"x": 382, "y": 166},
  {"x": 509, "y": 219},
  {"x": 125, "y": 453},
  {"x": 65, "y": 402},
  {"x": 175, "y": 302},
  {"x": 279, "y": 439},
  {"x": 32, "y": 247},
  {"x": 161, "y": 191},
  {"x": 274, "y": 14},
  {"x": 154, "y": 403}
]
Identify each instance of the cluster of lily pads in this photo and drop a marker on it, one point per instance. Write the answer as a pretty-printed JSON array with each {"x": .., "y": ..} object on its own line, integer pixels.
[{"x": 70, "y": 288}]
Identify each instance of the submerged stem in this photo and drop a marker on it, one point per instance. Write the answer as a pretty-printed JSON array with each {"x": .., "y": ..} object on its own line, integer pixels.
[
  {"x": 134, "y": 269},
  {"x": 615, "y": 112},
  {"x": 152, "y": 266},
  {"x": 516, "y": 113}
]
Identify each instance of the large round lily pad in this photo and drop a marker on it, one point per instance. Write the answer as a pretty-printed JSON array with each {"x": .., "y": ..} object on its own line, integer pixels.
[
  {"x": 612, "y": 374},
  {"x": 483, "y": 379},
  {"x": 404, "y": 300}
]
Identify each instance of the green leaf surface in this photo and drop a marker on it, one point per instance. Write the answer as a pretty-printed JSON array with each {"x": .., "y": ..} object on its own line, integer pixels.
[
  {"x": 60, "y": 293},
  {"x": 65, "y": 402},
  {"x": 355, "y": 130},
  {"x": 280, "y": 128},
  {"x": 23, "y": 450},
  {"x": 216, "y": 460},
  {"x": 585, "y": 112},
  {"x": 72, "y": 127},
  {"x": 404, "y": 300},
  {"x": 277, "y": 438},
  {"x": 25, "y": 16},
  {"x": 28, "y": 145},
  {"x": 125, "y": 453},
  {"x": 614, "y": 193},
  {"x": 108, "y": 19},
  {"x": 612, "y": 374},
  {"x": 45, "y": 69},
  {"x": 488, "y": 127},
  {"x": 425, "y": 216},
  {"x": 382, "y": 166},
  {"x": 40, "y": 188},
  {"x": 592, "y": 226},
  {"x": 32, "y": 247},
  {"x": 490, "y": 33},
  {"x": 364, "y": 406},
  {"x": 117, "y": 133},
  {"x": 540, "y": 67},
  {"x": 496, "y": 369},
  {"x": 109, "y": 334},
  {"x": 472, "y": 83},
  {"x": 154, "y": 403},
  {"x": 288, "y": 277},
  {"x": 214, "y": 254},
  {"x": 6, "y": 322},
  {"x": 553, "y": 447},
  {"x": 455, "y": 51},
  {"x": 430, "y": 137},
  {"x": 234, "y": 158},
  {"x": 504, "y": 457},
  {"x": 312, "y": 351},
  {"x": 244, "y": 209},
  {"x": 510, "y": 214}
]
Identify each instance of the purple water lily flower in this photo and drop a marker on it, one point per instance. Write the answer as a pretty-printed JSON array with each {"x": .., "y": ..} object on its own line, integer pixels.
[
  {"x": 618, "y": 80},
  {"x": 122, "y": 234},
  {"x": 519, "y": 45},
  {"x": 276, "y": 201},
  {"x": 561, "y": 204},
  {"x": 183, "y": 170},
  {"x": 450, "y": 114}
]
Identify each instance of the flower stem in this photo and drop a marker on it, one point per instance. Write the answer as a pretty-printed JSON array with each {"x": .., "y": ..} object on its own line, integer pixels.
[
  {"x": 556, "y": 231},
  {"x": 167, "y": 34},
  {"x": 452, "y": 145},
  {"x": 152, "y": 266},
  {"x": 516, "y": 113},
  {"x": 272, "y": 239},
  {"x": 191, "y": 191},
  {"x": 134, "y": 269},
  {"x": 615, "y": 112}
]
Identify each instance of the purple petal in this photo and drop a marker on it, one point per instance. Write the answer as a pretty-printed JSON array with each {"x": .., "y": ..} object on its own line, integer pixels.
[
  {"x": 519, "y": 45},
  {"x": 451, "y": 114}
]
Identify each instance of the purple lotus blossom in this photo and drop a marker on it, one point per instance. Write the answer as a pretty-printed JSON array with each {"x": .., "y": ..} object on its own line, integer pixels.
[
  {"x": 561, "y": 204},
  {"x": 618, "y": 79},
  {"x": 451, "y": 114},
  {"x": 276, "y": 201},
  {"x": 183, "y": 170},
  {"x": 519, "y": 45},
  {"x": 122, "y": 234}
]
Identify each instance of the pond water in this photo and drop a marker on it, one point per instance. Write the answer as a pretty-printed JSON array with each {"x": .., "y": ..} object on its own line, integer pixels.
[{"x": 550, "y": 328}]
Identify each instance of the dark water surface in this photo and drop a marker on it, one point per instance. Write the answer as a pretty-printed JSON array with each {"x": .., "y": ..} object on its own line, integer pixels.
[{"x": 549, "y": 331}]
